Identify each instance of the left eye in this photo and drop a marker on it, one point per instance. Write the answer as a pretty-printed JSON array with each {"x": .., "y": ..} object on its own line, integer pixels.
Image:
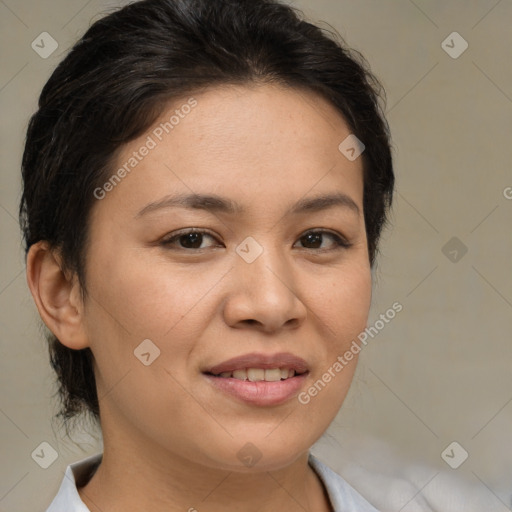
[
  {"x": 193, "y": 239},
  {"x": 316, "y": 238}
]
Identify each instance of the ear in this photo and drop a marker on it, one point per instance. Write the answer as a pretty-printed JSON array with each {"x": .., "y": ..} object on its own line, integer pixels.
[{"x": 56, "y": 296}]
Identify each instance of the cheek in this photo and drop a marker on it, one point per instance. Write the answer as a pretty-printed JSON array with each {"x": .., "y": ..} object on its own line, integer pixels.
[
  {"x": 342, "y": 304},
  {"x": 148, "y": 297},
  {"x": 342, "y": 309},
  {"x": 134, "y": 298}
]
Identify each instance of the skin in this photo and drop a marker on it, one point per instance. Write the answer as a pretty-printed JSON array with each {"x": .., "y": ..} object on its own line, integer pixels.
[{"x": 170, "y": 438}]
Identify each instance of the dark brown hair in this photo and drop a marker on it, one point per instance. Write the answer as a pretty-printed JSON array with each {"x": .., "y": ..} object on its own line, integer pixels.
[{"x": 116, "y": 80}]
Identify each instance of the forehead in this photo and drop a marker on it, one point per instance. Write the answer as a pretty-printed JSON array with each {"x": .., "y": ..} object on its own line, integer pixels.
[
  {"x": 249, "y": 141},
  {"x": 263, "y": 121}
]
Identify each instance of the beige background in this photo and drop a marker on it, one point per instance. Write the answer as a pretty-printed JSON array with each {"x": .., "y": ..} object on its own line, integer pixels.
[{"x": 441, "y": 371}]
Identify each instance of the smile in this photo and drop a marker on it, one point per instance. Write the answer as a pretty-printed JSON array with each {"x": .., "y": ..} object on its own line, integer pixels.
[{"x": 259, "y": 374}]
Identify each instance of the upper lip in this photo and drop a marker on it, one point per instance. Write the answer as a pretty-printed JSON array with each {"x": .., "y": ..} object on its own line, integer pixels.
[{"x": 264, "y": 361}]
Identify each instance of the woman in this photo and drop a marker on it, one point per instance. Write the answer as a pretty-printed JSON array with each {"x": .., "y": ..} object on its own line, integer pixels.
[{"x": 205, "y": 184}]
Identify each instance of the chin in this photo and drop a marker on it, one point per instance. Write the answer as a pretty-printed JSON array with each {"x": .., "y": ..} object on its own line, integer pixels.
[{"x": 259, "y": 455}]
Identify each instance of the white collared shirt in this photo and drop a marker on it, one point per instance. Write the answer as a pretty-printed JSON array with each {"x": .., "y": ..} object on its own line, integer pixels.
[{"x": 343, "y": 497}]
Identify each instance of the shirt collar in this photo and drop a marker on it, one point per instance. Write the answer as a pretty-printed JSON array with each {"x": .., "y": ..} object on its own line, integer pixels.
[
  {"x": 343, "y": 497},
  {"x": 79, "y": 473}
]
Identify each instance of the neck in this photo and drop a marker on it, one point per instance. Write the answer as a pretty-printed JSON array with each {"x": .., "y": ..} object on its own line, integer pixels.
[{"x": 136, "y": 476}]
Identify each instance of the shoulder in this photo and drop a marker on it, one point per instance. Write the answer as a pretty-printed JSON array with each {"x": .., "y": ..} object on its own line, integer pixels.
[{"x": 344, "y": 498}]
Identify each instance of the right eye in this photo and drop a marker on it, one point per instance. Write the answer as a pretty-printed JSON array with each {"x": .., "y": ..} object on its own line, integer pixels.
[{"x": 189, "y": 239}]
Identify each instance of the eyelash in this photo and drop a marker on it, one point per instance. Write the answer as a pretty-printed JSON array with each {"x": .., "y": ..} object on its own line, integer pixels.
[{"x": 339, "y": 241}]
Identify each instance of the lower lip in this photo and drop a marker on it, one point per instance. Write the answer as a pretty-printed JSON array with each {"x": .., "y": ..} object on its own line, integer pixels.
[{"x": 261, "y": 393}]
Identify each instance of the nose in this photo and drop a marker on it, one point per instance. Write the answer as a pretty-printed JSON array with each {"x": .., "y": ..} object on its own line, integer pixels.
[{"x": 263, "y": 294}]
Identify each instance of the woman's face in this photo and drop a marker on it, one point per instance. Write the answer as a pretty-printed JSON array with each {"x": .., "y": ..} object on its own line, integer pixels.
[{"x": 254, "y": 283}]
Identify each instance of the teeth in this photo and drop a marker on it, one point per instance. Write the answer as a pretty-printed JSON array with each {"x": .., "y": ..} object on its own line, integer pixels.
[
  {"x": 255, "y": 374},
  {"x": 273, "y": 375},
  {"x": 240, "y": 374},
  {"x": 259, "y": 374}
]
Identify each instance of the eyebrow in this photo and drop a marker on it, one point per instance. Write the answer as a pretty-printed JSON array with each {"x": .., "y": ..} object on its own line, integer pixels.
[{"x": 214, "y": 203}]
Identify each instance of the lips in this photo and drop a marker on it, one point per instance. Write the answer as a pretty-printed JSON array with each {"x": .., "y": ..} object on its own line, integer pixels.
[
  {"x": 262, "y": 380},
  {"x": 254, "y": 361}
]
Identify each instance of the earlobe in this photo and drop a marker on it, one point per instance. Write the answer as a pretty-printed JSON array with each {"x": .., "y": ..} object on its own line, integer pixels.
[{"x": 56, "y": 296}]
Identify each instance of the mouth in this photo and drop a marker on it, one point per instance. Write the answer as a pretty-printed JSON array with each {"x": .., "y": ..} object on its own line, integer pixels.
[
  {"x": 259, "y": 374},
  {"x": 259, "y": 379},
  {"x": 258, "y": 362}
]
